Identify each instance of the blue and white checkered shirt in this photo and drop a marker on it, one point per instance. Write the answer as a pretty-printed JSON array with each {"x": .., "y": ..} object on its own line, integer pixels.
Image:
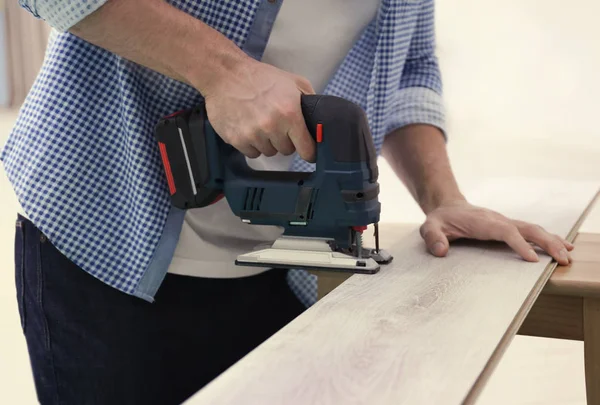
[{"x": 82, "y": 157}]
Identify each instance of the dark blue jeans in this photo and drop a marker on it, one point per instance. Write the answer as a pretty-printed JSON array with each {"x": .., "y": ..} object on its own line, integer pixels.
[{"x": 91, "y": 344}]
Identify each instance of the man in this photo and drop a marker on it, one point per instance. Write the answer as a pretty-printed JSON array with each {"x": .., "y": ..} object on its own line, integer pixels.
[{"x": 124, "y": 299}]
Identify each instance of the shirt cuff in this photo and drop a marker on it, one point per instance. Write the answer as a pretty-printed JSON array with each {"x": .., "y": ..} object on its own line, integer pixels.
[
  {"x": 416, "y": 105},
  {"x": 61, "y": 14}
]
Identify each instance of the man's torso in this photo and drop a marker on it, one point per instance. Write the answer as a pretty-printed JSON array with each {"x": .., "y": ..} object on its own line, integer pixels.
[{"x": 83, "y": 161}]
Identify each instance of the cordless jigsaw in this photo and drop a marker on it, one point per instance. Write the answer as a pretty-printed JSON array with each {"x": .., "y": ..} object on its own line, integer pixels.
[{"x": 323, "y": 213}]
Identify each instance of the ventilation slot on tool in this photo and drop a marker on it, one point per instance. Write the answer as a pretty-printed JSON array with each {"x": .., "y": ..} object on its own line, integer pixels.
[{"x": 253, "y": 198}]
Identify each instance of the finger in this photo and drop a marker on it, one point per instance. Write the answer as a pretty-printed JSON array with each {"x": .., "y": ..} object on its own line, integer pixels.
[
  {"x": 283, "y": 144},
  {"x": 304, "y": 85},
  {"x": 262, "y": 143},
  {"x": 567, "y": 244},
  {"x": 301, "y": 138},
  {"x": 265, "y": 133},
  {"x": 435, "y": 239},
  {"x": 248, "y": 150},
  {"x": 512, "y": 237},
  {"x": 551, "y": 244}
]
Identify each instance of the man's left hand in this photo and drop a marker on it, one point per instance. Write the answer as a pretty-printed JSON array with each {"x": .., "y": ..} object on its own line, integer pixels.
[{"x": 462, "y": 220}]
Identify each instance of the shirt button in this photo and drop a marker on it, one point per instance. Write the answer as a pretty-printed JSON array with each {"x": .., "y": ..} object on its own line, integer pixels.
[{"x": 272, "y": 1}]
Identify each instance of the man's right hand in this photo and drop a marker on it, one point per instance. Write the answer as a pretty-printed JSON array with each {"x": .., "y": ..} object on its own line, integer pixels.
[
  {"x": 253, "y": 106},
  {"x": 256, "y": 109}
]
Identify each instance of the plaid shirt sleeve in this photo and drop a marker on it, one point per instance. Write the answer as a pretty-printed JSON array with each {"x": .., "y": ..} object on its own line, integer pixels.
[
  {"x": 61, "y": 14},
  {"x": 418, "y": 99}
]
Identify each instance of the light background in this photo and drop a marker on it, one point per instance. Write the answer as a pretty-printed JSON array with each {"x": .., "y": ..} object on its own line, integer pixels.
[
  {"x": 3, "y": 61},
  {"x": 522, "y": 79}
]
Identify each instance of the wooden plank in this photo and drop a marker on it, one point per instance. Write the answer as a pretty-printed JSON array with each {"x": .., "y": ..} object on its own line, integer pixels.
[
  {"x": 328, "y": 281},
  {"x": 424, "y": 330},
  {"x": 591, "y": 315},
  {"x": 552, "y": 315},
  {"x": 555, "y": 316},
  {"x": 582, "y": 277}
]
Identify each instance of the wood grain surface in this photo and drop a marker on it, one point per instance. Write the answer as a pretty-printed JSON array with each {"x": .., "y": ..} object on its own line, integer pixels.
[
  {"x": 422, "y": 330},
  {"x": 327, "y": 281}
]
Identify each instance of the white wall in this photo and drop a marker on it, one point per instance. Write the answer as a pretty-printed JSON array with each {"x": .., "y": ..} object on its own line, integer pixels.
[
  {"x": 522, "y": 91},
  {"x": 4, "y": 95},
  {"x": 522, "y": 69}
]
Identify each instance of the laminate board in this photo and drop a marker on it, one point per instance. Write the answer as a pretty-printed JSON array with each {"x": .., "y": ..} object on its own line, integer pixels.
[{"x": 424, "y": 330}]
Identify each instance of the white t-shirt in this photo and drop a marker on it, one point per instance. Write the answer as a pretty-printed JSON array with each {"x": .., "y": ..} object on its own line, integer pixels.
[{"x": 309, "y": 38}]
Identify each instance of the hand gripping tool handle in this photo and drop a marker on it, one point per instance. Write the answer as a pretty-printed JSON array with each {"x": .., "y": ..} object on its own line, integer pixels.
[{"x": 198, "y": 164}]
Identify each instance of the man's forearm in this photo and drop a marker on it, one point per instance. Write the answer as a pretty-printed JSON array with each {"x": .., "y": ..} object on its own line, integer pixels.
[
  {"x": 417, "y": 154},
  {"x": 155, "y": 34}
]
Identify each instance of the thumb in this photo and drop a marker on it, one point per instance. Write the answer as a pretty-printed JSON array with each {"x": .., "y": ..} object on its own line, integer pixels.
[
  {"x": 304, "y": 85},
  {"x": 436, "y": 241}
]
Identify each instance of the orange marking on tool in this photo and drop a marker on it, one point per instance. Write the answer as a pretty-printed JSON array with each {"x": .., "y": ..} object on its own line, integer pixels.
[
  {"x": 167, "y": 165},
  {"x": 319, "y": 133}
]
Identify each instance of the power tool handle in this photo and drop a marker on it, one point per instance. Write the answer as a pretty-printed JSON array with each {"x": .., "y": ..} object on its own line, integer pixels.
[
  {"x": 343, "y": 126},
  {"x": 308, "y": 103}
]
